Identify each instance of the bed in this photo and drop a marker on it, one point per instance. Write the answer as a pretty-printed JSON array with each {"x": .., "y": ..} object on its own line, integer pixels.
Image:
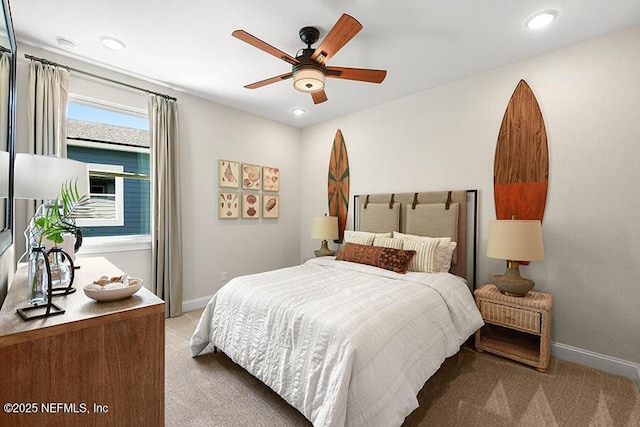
[{"x": 351, "y": 343}]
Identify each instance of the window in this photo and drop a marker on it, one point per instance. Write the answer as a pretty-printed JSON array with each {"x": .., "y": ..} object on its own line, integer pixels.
[
  {"x": 107, "y": 193},
  {"x": 114, "y": 141}
]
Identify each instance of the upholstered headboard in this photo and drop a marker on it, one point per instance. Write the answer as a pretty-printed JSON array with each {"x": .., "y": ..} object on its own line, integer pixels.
[{"x": 434, "y": 214}]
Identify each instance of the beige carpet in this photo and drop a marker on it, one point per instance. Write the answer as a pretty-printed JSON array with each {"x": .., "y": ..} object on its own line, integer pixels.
[{"x": 470, "y": 389}]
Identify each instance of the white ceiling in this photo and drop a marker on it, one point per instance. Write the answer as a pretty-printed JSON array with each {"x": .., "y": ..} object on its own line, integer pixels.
[{"x": 187, "y": 44}]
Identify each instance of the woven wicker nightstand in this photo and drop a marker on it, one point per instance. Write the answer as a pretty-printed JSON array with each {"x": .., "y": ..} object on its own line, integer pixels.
[{"x": 515, "y": 327}]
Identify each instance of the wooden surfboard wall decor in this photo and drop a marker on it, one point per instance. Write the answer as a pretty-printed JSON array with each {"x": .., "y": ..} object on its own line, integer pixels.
[
  {"x": 521, "y": 164},
  {"x": 338, "y": 188}
]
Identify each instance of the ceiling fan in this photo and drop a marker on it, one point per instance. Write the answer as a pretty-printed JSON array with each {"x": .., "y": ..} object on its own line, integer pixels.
[{"x": 309, "y": 67}]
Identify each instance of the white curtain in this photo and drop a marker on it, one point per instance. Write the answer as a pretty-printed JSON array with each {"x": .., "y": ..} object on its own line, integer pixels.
[
  {"x": 166, "y": 229},
  {"x": 48, "y": 95},
  {"x": 47, "y": 114}
]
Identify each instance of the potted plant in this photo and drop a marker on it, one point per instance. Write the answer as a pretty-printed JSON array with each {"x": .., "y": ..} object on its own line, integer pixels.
[{"x": 53, "y": 221}]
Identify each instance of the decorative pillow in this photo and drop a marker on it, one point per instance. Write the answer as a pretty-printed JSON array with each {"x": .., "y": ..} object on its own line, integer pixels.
[
  {"x": 442, "y": 241},
  {"x": 387, "y": 242},
  {"x": 424, "y": 260},
  {"x": 362, "y": 237},
  {"x": 443, "y": 257},
  {"x": 377, "y": 256}
]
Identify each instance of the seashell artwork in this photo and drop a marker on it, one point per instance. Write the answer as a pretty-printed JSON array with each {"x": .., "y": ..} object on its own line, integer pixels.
[
  {"x": 228, "y": 205},
  {"x": 250, "y": 177},
  {"x": 270, "y": 178},
  {"x": 250, "y": 205},
  {"x": 271, "y": 207},
  {"x": 228, "y": 174}
]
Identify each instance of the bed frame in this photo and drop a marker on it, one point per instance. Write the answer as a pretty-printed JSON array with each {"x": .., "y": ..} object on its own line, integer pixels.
[{"x": 436, "y": 214}]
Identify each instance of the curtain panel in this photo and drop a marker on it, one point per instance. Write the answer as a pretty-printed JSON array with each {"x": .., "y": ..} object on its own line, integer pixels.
[
  {"x": 48, "y": 95},
  {"x": 47, "y": 115},
  {"x": 166, "y": 229}
]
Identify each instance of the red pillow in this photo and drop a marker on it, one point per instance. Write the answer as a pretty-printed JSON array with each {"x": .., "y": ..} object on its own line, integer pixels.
[{"x": 388, "y": 258}]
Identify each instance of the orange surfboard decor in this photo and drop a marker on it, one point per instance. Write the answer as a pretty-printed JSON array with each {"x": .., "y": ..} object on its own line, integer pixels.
[
  {"x": 521, "y": 164},
  {"x": 338, "y": 188}
]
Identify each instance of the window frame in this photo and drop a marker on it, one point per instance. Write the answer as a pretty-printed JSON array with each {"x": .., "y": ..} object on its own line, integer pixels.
[{"x": 122, "y": 242}]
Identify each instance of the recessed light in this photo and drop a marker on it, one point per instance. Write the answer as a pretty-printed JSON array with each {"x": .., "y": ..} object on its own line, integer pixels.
[
  {"x": 298, "y": 111},
  {"x": 65, "y": 43},
  {"x": 541, "y": 19},
  {"x": 112, "y": 42}
]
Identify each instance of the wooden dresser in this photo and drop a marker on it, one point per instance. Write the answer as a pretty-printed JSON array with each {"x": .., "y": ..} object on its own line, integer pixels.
[{"x": 98, "y": 364}]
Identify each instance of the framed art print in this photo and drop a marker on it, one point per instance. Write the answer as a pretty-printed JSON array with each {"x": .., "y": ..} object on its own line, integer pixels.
[
  {"x": 250, "y": 177},
  {"x": 228, "y": 174},
  {"x": 270, "y": 206},
  {"x": 228, "y": 205},
  {"x": 270, "y": 178},
  {"x": 250, "y": 205}
]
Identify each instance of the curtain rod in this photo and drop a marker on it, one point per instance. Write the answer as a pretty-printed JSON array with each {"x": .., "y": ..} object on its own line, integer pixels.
[{"x": 95, "y": 76}]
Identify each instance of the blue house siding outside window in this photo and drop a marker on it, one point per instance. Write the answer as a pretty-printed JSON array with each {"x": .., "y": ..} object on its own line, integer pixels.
[{"x": 137, "y": 192}]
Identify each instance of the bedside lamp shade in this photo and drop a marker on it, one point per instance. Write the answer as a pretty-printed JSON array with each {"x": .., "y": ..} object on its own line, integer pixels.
[
  {"x": 515, "y": 241},
  {"x": 324, "y": 228}
]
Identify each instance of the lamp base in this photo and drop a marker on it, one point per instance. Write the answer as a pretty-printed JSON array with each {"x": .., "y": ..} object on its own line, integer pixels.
[
  {"x": 324, "y": 250},
  {"x": 511, "y": 283}
]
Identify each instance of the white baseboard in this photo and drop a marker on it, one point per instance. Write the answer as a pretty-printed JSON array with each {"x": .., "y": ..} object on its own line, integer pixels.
[
  {"x": 602, "y": 362},
  {"x": 194, "y": 304}
]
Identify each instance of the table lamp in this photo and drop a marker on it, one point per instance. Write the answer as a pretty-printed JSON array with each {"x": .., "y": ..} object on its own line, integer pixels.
[
  {"x": 324, "y": 228},
  {"x": 515, "y": 241},
  {"x": 41, "y": 178}
]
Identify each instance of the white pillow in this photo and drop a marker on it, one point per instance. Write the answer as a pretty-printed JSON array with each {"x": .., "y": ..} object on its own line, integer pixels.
[
  {"x": 424, "y": 259},
  {"x": 387, "y": 242},
  {"x": 362, "y": 237},
  {"x": 443, "y": 257},
  {"x": 442, "y": 241}
]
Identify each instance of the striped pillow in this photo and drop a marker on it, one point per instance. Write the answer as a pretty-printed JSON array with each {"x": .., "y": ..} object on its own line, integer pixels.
[
  {"x": 387, "y": 242},
  {"x": 443, "y": 241},
  {"x": 362, "y": 237},
  {"x": 424, "y": 261}
]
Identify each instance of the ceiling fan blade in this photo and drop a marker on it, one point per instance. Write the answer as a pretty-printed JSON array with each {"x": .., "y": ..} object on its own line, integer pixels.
[
  {"x": 265, "y": 82},
  {"x": 319, "y": 97},
  {"x": 266, "y": 47},
  {"x": 343, "y": 31},
  {"x": 359, "y": 74}
]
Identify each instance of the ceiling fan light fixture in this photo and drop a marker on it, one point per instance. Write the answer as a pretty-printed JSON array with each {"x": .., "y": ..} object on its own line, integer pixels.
[{"x": 308, "y": 78}]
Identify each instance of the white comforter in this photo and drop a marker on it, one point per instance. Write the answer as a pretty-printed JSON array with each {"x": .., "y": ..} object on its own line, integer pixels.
[{"x": 344, "y": 343}]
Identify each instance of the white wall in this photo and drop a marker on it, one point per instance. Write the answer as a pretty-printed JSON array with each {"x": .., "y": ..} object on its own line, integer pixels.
[
  {"x": 208, "y": 131},
  {"x": 445, "y": 138}
]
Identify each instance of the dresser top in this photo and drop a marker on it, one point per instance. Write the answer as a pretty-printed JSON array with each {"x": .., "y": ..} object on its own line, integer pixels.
[{"x": 80, "y": 310}]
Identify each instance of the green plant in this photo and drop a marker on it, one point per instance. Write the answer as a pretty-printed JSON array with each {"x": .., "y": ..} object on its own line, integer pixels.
[{"x": 58, "y": 216}]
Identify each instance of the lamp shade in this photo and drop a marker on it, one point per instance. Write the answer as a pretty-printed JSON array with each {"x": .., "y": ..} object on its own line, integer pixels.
[
  {"x": 515, "y": 240},
  {"x": 41, "y": 177},
  {"x": 324, "y": 228},
  {"x": 308, "y": 79}
]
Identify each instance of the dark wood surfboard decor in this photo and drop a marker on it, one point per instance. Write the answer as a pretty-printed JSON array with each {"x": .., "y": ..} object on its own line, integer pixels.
[
  {"x": 338, "y": 188},
  {"x": 521, "y": 164}
]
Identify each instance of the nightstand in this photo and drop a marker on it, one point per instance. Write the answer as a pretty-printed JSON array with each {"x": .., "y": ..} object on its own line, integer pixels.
[{"x": 515, "y": 327}]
